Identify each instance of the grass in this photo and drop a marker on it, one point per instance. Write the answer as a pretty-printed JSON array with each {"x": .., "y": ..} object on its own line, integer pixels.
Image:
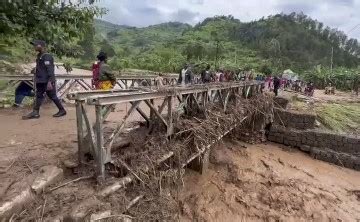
[
  {"x": 3, "y": 84},
  {"x": 299, "y": 104},
  {"x": 340, "y": 117}
]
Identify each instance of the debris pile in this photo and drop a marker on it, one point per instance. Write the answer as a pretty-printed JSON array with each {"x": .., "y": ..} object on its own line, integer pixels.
[{"x": 157, "y": 161}]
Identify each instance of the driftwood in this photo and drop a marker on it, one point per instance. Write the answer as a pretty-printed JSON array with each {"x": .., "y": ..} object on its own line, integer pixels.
[
  {"x": 8, "y": 168},
  {"x": 72, "y": 181},
  {"x": 133, "y": 202},
  {"x": 124, "y": 216}
]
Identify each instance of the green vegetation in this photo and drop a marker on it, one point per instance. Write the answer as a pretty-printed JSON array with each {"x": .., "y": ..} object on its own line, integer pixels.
[
  {"x": 277, "y": 41},
  {"x": 62, "y": 25},
  {"x": 341, "y": 77},
  {"x": 340, "y": 117},
  {"x": 269, "y": 45}
]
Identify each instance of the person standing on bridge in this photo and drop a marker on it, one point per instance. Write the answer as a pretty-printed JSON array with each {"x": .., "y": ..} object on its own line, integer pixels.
[
  {"x": 277, "y": 84},
  {"x": 44, "y": 81},
  {"x": 107, "y": 79},
  {"x": 185, "y": 75},
  {"x": 206, "y": 75}
]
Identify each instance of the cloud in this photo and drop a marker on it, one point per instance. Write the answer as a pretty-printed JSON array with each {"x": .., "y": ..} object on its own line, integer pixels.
[
  {"x": 288, "y": 7},
  {"x": 185, "y": 16},
  {"x": 341, "y": 14}
]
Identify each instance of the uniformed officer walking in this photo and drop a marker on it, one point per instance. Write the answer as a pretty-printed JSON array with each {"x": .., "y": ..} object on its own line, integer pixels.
[{"x": 44, "y": 81}]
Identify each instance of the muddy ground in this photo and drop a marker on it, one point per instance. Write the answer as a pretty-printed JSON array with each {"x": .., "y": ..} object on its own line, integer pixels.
[
  {"x": 268, "y": 182},
  {"x": 265, "y": 182}
]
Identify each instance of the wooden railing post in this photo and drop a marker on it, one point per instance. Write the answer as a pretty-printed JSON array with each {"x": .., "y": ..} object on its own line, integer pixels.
[
  {"x": 80, "y": 131},
  {"x": 99, "y": 149}
]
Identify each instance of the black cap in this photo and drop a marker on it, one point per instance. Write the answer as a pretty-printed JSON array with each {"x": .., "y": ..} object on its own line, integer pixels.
[
  {"x": 38, "y": 42},
  {"x": 101, "y": 56}
]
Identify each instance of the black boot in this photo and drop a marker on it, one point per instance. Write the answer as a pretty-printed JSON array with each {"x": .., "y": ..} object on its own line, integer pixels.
[
  {"x": 33, "y": 115},
  {"x": 61, "y": 113}
]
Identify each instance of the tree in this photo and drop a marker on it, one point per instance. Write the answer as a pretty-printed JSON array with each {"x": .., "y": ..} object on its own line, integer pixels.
[
  {"x": 87, "y": 43},
  {"x": 58, "y": 24},
  {"x": 107, "y": 48},
  {"x": 266, "y": 70}
]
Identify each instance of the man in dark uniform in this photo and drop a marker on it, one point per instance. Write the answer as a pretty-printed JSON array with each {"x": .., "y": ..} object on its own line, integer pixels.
[{"x": 44, "y": 81}]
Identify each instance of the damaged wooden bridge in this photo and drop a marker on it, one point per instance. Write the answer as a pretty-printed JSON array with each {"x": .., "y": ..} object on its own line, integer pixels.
[{"x": 165, "y": 105}]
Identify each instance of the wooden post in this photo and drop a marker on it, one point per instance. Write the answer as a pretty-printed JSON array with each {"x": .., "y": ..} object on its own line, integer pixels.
[
  {"x": 200, "y": 163},
  {"x": 99, "y": 150},
  {"x": 80, "y": 131},
  {"x": 170, "y": 126},
  {"x": 152, "y": 114},
  {"x": 226, "y": 99}
]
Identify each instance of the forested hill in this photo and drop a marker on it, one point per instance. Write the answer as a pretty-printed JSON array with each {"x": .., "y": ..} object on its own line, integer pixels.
[{"x": 281, "y": 41}]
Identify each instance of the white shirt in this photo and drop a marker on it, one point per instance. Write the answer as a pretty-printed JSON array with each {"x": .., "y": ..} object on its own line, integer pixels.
[{"x": 183, "y": 73}]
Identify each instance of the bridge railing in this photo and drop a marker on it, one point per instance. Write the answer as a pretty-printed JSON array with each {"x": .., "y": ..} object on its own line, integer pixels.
[
  {"x": 70, "y": 82},
  {"x": 171, "y": 100}
]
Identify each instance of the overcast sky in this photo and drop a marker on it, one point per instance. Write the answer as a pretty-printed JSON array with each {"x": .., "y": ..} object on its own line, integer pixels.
[{"x": 341, "y": 14}]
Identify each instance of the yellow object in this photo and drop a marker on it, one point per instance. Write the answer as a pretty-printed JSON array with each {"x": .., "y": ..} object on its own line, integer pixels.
[{"x": 105, "y": 85}]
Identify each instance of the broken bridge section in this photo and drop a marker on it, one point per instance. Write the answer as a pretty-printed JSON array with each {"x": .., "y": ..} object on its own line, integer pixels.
[{"x": 173, "y": 104}]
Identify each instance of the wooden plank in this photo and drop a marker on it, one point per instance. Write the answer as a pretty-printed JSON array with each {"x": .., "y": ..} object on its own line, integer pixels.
[
  {"x": 165, "y": 102},
  {"x": 151, "y": 106},
  {"x": 99, "y": 144},
  {"x": 204, "y": 99},
  {"x": 106, "y": 110},
  {"x": 90, "y": 131},
  {"x": 82, "y": 85},
  {"x": 221, "y": 98},
  {"x": 68, "y": 89},
  {"x": 30, "y": 83},
  {"x": 226, "y": 100},
  {"x": 196, "y": 101},
  {"x": 87, "y": 84},
  {"x": 63, "y": 85},
  {"x": 179, "y": 98},
  {"x": 119, "y": 84},
  {"x": 80, "y": 132},
  {"x": 142, "y": 113},
  {"x": 170, "y": 126},
  {"x": 120, "y": 126}
]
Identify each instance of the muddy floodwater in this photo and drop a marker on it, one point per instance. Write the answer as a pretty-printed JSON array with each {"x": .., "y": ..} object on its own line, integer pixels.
[{"x": 267, "y": 182}]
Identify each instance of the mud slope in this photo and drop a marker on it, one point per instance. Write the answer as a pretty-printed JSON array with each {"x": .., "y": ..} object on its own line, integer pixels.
[{"x": 268, "y": 183}]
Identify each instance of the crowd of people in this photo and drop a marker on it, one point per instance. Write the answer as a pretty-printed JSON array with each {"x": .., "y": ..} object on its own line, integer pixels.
[
  {"x": 187, "y": 75},
  {"x": 273, "y": 83}
]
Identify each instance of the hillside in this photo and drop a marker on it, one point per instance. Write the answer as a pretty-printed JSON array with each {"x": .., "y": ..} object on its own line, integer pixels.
[
  {"x": 103, "y": 27},
  {"x": 281, "y": 41}
]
